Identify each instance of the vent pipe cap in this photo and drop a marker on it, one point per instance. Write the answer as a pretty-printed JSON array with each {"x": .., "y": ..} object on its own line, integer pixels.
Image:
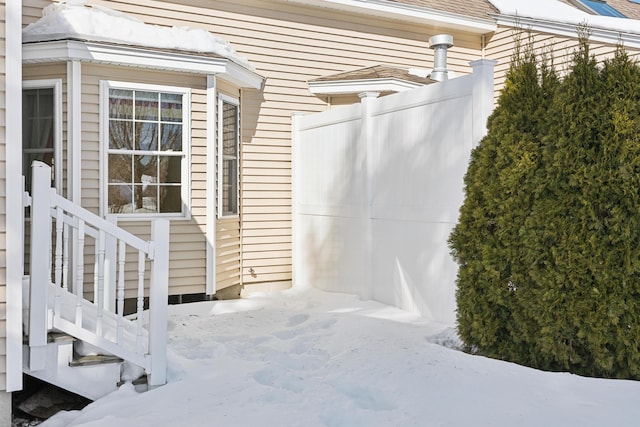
[{"x": 440, "y": 43}]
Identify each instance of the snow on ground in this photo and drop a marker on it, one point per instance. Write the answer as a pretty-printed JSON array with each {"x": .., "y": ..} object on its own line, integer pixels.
[{"x": 308, "y": 358}]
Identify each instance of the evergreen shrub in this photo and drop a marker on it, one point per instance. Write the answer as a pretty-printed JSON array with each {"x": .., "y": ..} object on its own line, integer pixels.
[{"x": 548, "y": 240}]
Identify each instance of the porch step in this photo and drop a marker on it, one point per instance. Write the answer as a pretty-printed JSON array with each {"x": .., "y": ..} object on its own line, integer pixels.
[
  {"x": 88, "y": 376},
  {"x": 60, "y": 338},
  {"x": 94, "y": 359}
]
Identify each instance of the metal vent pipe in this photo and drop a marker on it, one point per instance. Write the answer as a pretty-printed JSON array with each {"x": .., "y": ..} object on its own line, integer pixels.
[{"x": 440, "y": 44}]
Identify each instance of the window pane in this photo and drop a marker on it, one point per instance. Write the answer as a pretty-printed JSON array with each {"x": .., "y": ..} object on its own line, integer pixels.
[
  {"x": 146, "y": 198},
  {"x": 119, "y": 198},
  {"x": 171, "y": 137},
  {"x": 145, "y": 169},
  {"x": 120, "y": 104},
  {"x": 230, "y": 129},
  {"x": 171, "y": 107},
  {"x": 146, "y": 136},
  {"x": 120, "y": 135},
  {"x": 120, "y": 168},
  {"x": 602, "y": 8},
  {"x": 146, "y": 105},
  {"x": 230, "y": 188},
  {"x": 170, "y": 199},
  {"x": 170, "y": 169}
]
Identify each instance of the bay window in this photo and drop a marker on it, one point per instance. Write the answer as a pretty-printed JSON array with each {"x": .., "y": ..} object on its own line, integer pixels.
[{"x": 147, "y": 147}]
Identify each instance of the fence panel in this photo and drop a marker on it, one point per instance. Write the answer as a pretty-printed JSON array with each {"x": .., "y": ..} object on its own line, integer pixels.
[{"x": 377, "y": 189}]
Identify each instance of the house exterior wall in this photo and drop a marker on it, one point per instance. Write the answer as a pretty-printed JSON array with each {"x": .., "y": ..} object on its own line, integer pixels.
[
  {"x": 187, "y": 244},
  {"x": 290, "y": 44}
]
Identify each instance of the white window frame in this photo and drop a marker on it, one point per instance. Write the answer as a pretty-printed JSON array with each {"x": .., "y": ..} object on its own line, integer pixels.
[
  {"x": 185, "y": 192},
  {"x": 56, "y": 85},
  {"x": 222, "y": 99}
]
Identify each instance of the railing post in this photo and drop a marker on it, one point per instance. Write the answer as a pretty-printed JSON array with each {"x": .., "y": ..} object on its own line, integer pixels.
[
  {"x": 158, "y": 302},
  {"x": 111, "y": 262},
  {"x": 40, "y": 247}
]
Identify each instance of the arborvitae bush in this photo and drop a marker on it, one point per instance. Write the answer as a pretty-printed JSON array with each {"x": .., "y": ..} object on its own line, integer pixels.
[{"x": 548, "y": 240}]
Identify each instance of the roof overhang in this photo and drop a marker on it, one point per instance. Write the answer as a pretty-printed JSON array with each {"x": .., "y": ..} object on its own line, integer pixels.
[
  {"x": 348, "y": 87},
  {"x": 140, "y": 57},
  {"x": 408, "y": 13},
  {"x": 568, "y": 29}
]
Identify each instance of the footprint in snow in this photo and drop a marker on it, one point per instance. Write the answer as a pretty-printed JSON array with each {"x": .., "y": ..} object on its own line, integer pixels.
[
  {"x": 297, "y": 319},
  {"x": 279, "y": 379},
  {"x": 363, "y": 397},
  {"x": 288, "y": 334}
]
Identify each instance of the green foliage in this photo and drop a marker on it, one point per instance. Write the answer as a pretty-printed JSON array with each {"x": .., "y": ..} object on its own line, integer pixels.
[{"x": 549, "y": 232}]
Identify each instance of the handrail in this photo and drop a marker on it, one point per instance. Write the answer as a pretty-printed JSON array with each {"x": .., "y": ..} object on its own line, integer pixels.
[
  {"x": 102, "y": 224},
  {"x": 62, "y": 265}
]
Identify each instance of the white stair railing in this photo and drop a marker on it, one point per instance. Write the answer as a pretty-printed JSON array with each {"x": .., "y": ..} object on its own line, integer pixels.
[{"x": 61, "y": 232}]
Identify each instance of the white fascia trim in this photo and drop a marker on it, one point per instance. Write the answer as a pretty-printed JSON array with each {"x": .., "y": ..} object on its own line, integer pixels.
[
  {"x": 345, "y": 87},
  {"x": 409, "y": 13},
  {"x": 14, "y": 213},
  {"x": 603, "y": 35},
  {"x": 210, "y": 274},
  {"x": 242, "y": 77},
  {"x": 86, "y": 51}
]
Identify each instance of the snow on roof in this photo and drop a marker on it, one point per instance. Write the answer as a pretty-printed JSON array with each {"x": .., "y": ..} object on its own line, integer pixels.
[
  {"x": 77, "y": 19},
  {"x": 557, "y": 11}
]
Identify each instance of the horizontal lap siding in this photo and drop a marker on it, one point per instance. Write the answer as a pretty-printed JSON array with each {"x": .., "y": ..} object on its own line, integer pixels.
[
  {"x": 3, "y": 204},
  {"x": 290, "y": 44},
  {"x": 228, "y": 259},
  {"x": 187, "y": 242},
  {"x": 501, "y": 45},
  {"x": 32, "y": 10}
]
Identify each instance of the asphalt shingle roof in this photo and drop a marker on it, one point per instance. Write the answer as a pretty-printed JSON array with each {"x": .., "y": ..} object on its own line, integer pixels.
[
  {"x": 626, "y": 7},
  {"x": 474, "y": 8},
  {"x": 376, "y": 72}
]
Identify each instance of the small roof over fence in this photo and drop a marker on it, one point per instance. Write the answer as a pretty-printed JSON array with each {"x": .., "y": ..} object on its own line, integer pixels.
[{"x": 378, "y": 78}]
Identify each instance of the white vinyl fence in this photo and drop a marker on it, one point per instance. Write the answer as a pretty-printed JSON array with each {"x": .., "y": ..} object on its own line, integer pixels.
[{"x": 377, "y": 187}]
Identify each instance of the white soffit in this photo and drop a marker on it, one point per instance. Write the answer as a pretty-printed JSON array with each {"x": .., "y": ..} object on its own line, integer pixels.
[
  {"x": 134, "y": 56},
  {"x": 408, "y": 13},
  {"x": 346, "y": 87}
]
